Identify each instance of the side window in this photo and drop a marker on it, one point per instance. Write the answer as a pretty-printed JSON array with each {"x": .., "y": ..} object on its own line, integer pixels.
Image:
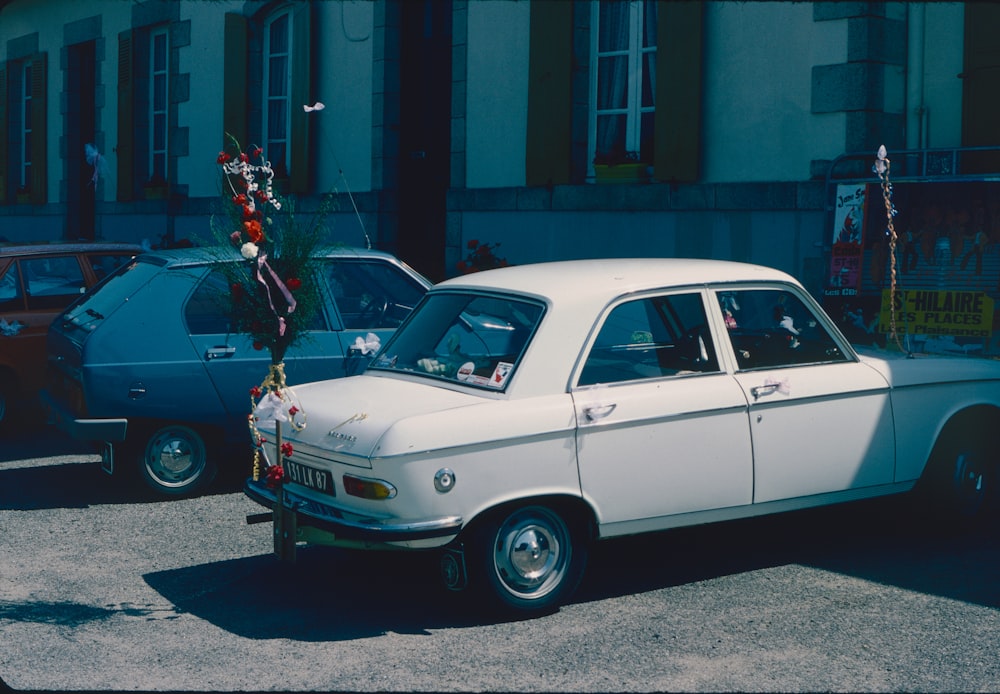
[
  {"x": 10, "y": 289},
  {"x": 206, "y": 312},
  {"x": 772, "y": 328},
  {"x": 651, "y": 338},
  {"x": 52, "y": 282},
  {"x": 371, "y": 294}
]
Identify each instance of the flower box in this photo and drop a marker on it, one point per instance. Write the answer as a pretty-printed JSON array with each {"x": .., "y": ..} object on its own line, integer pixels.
[
  {"x": 155, "y": 192},
  {"x": 631, "y": 172}
]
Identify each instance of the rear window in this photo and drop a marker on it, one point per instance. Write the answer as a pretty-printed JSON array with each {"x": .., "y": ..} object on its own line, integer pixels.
[
  {"x": 472, "y": 339},
  {"x": 88, "y": 312}
]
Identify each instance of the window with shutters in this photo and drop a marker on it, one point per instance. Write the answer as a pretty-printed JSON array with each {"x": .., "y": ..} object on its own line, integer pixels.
[
  {"x": 263, "y": 96},
  {"x": 623, "y": 81},
  {"x": 23, "y": 130}
]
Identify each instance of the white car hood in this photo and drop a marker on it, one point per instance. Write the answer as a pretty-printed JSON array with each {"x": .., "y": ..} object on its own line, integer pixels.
[{"x": 353, "y": 415}]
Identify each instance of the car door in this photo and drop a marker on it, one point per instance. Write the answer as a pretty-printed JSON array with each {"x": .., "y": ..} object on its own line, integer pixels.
[
  {"x": 230, "y": 359},
  {"x": 661, "y": 427},
  {"x": 820, "y": 420}
]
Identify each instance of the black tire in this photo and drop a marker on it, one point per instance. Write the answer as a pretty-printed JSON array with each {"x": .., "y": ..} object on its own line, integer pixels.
[
  {"x": 962, "y": 479},
  {"x": 175, "y": 461},
  {"x": 6, "y": 402},
  {"x": 529, "y": 559}
]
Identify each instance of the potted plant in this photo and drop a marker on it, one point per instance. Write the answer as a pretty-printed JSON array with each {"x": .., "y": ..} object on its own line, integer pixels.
[
  {"x": 155, "y": 188},
  {"x": 620, "y": 166}
]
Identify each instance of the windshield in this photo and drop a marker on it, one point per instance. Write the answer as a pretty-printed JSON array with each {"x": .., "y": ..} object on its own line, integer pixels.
[
  {"x": 83, "y": 316},
  {"x": 472, "y": 339}
]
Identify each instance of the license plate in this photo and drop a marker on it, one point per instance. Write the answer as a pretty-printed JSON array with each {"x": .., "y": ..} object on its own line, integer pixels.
[
  {"x": 311, "y": 477},
  {"x": 108, "y": 458}
]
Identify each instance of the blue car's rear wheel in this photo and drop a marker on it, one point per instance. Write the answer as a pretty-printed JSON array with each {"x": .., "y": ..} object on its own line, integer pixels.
[{"x": 174, "y": 460}]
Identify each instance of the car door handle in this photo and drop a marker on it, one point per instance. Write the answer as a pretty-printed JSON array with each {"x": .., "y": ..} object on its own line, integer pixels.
[
  {"x": 595, "y": 412},
  {"x": 770, "y": 386},
  {"x": 219, "y": 352}
]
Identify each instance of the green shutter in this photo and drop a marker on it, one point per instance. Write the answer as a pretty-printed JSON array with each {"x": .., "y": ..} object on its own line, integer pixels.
[
  {"x": 301, "y": 94},
  {"x": 678, "y": 91},
  {"x": 550, "y": 68},
  {"x": 39, "y": 134},
  {"x": 5, "y": 163},
  {"x": 234, "y": 83},
  {"x": 125, "y": 150}
]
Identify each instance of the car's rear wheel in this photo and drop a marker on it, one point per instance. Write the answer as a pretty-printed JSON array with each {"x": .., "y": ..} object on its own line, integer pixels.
[
  {"x": 174, "y": 460},
  {"x": 530, "y": 558}
]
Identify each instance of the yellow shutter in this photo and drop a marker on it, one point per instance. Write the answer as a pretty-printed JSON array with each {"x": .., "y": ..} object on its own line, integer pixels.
[
  {"x": 301, "y": 93},
  {"x": 678, "y": 91},
  {"x": 39, "y": 131},
  {"x": 234, "y": 82},
  {"x": 550, "y": 66}
]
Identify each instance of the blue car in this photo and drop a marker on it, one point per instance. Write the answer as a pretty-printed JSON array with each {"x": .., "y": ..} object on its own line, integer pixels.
[{"x": 147, "y": 367}]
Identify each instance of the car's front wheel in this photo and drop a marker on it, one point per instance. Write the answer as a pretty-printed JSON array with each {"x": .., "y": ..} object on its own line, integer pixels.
[
  {"x": 174, "y": 461},
  {"x": 530, "y": 558}
]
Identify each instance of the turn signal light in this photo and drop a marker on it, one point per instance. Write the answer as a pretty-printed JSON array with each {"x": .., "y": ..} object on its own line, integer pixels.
[{"x": 368, "y": 489}]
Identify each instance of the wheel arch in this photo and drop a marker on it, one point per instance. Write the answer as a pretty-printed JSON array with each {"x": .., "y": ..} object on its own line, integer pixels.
[
  {"x": 962, "y": 423},
  {"x": 575, "y": 510}
]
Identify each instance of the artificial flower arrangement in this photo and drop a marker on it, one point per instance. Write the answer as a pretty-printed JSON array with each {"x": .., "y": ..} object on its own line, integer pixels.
[
  {"x": 481, "y": 256},
  {"x": 272, "y": 292}
]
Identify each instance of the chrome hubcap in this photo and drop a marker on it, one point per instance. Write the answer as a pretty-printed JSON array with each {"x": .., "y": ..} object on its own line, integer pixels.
[
  {"x": 970, "y": 483},
  {"x": 175, "y": 457},
  {"x": 532, "y": 551}
]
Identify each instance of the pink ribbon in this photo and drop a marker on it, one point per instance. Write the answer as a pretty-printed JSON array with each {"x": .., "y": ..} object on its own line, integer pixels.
[{"x": 262, "y": 263}]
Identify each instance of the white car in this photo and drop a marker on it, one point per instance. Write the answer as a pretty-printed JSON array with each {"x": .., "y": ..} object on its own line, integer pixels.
[{"x": 521, "y": 414}]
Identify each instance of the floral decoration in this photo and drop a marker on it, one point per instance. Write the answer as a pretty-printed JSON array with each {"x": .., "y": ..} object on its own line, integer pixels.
[
  {"x": 272, "y": 291},
  {"x": 481, "y": 256},
  {"x": 273, "y": 295}
]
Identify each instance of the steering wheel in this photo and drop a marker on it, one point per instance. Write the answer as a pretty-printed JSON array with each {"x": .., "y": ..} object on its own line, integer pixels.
[{"x": 373, "y": 314}]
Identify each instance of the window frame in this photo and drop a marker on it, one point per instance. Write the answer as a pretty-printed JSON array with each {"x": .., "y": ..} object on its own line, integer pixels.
[
  {"x": 638, "y": 57},
  {"x": 281, "y": 166},
  {"x": 154, "y": 175}
]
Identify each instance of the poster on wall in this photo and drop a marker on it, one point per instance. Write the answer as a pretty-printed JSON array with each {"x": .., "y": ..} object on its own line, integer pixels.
[
  {"x": 846, "y": 258},
  {"x": 944, "y": 261}
]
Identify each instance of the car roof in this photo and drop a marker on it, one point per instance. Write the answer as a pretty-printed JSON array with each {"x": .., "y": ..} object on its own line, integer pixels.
[
  {"x": 200, "y": 255},
  {"x": 49, "y": 248},
  {"x": 589, "y": 280}
]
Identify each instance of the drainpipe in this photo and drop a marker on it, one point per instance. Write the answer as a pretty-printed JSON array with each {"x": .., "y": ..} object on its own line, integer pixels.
[{"x": 916, "y": 109}]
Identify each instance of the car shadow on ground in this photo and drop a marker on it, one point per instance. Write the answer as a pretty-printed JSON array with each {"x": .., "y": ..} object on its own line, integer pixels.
[
  {"x": 79, "y": 485},
  {"x": 334, "y": 595}
]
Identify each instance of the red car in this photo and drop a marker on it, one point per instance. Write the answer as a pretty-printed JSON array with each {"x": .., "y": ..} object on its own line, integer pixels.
[{"x": 38, "y": 281}]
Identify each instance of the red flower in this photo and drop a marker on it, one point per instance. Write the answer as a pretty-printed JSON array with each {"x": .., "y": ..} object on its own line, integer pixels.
[
  {"x": 293, "y": 410},
  {"x": 287, "y": 449},
  {"x": 253, "y": 230},
  {"x": 255, "y": 392},
  {"x": 236, "y": 238},
  {"x": 275, "y": 475},
  {"x": 256, "y": 151},
  {"x": 462, "y": 266},
  {"x": 237, "y": 291},
  {"x": 258, "y": 345},
  {"x": 472, "y": 244},
  {"x": 240, "y": 199},
  {"x": 244, "y": 158},
  {"x": 293, "y": 283},
  {"x": 223, "y": 158}
]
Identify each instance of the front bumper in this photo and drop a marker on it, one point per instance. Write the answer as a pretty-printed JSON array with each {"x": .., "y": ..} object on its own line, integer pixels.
[
  {"x": 82, "y": 429},
  {"x": 345, "y": 525}
]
